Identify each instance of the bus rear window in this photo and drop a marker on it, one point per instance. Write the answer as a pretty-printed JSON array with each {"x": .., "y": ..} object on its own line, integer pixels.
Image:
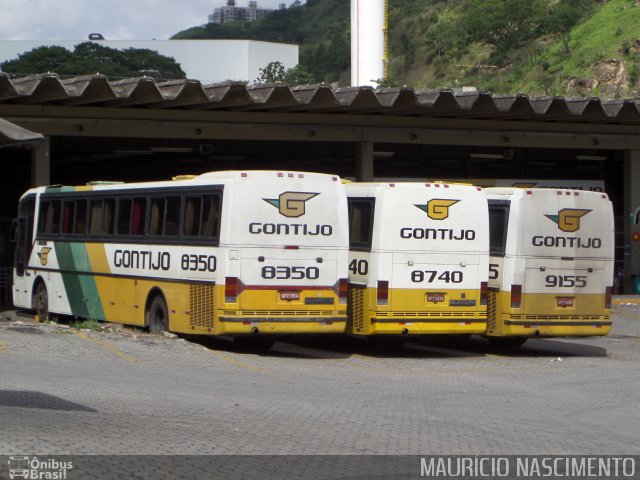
[
  {"x": 498, "y": 225},
  {"x": 361, "y": 223}
]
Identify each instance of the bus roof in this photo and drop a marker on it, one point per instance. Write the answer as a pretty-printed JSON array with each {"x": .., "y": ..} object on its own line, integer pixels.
[{"x": 219, "y": 177}]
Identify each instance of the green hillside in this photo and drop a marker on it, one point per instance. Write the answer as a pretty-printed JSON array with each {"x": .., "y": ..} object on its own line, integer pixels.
[
  {"x": 562, "y": 47},
  {"x": 539, "y": 47}
]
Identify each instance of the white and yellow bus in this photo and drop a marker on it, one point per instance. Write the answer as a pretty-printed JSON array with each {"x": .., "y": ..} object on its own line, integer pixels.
[
  {"x": 418, "y": 260},
  {"x": 551, "y": 268},
  {"x": 224, "y": 253}
]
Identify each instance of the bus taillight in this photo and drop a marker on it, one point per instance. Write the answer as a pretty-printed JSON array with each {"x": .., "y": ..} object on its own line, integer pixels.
[
  {"x": 607, "y": 297},
  {"x": 231, "y": 289},
  {"x": 516, "y": 296},
  {"x": 383, "y": 292},
  {"x": 484, "y": 293},
  {"x": 342, "y": 290}
]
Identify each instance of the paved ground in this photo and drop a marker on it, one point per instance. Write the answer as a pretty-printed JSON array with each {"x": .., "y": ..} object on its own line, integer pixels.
[{"x": 64, "y": 392}]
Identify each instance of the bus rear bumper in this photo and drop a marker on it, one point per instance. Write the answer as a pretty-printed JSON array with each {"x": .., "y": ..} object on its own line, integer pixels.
[
  {"x": 387, "y": 326},
  {"x": 554, "y": 328},
  {"x": 276, "y": 325}
]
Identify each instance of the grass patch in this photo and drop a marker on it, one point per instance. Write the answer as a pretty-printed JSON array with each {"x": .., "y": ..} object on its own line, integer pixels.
[{"x": 88, "y": 324}]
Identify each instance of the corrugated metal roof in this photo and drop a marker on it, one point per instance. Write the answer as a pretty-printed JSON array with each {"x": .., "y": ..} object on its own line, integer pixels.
[{"x": 144, "y": 92}]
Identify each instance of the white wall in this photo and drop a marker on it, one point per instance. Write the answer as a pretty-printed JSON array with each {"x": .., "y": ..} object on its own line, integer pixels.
[{"x": 206, "y": 60}]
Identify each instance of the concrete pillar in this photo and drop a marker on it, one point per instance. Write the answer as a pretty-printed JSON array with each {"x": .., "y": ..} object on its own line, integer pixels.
[
  {"x": 364, "y": 161},
  {"x": 40, "y": 164},
  {"x": 631, "y": 217}
]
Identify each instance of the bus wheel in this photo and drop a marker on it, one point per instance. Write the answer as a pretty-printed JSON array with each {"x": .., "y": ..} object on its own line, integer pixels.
[
  {"x": 507, "y": 341},
  {"x": 41, "y": 301},
  {"x": 157, "y": 317},
  {"x": 252, "y": 342}
]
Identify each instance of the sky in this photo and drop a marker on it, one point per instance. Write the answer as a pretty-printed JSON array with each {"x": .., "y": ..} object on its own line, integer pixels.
[{"x": 114, "y": 19}]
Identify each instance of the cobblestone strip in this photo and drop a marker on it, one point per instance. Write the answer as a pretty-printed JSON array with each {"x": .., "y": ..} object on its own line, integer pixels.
[
  {"x": 116, "y": 351},
  {"x": 233, "y": 360}
]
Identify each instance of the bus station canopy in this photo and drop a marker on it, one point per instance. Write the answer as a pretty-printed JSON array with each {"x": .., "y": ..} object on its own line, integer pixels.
[
  {"x": 145, "y": 92},
  {"x": 12, "y": 135}
]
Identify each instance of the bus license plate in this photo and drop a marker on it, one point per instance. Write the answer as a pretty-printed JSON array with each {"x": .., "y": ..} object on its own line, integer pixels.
[
  {"x": 289, "y": 295},
  {"x": 564, "y": 301},
  {"x": 435, "y": 297}
]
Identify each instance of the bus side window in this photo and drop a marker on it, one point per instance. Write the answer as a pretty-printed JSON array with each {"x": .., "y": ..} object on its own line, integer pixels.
[
  {"x": 124, "y": 216},
  {"x": 211, "y": 216},
  {"x": 191, "y": 225},
  {"x": 156, "y": 216},
  {"x": 172, "y": 217},
  {"x": 68, "y": 214},
  {"x": 80, "y": 223},
  {"x": 52, "y": 217},
  {"x": 361, "y": 222},
  {"x": 45, "y": 205},
  {"x": 498, "y": 225},
  {"x": 138, "y": 216},
  {"x": 101, "y": 217},
  {"x": 108, "y": 216}
]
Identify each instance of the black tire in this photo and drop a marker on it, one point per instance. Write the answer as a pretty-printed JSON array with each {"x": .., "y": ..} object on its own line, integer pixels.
[
  {"x": 41, "y": 301},
  {"x": 157, "y": 316},
  {"x": 254, "y": 343},
  {"x": 507, "y": 341}
]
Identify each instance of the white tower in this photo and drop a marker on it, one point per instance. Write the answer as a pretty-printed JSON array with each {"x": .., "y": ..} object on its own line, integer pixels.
[{"x": 368, "y": 34}]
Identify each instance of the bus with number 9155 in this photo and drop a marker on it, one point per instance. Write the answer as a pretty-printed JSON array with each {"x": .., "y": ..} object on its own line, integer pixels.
[
  {"x": 551, "y": 264},
  {"x": 244, "y": 254}
]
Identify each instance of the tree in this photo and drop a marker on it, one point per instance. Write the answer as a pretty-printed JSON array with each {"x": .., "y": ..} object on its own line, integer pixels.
[
  {"x": 564, "y": 16},
  {"x": 274, "y": 72},
  {"x": 38, "y": 60},
  {"x": 504, "y": 24},
  {"x": 90, "y": 57},
  {"x": 299, "y": 75}
]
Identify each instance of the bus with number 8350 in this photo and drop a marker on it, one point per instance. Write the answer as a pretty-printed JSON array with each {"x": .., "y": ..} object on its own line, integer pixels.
[{"x": 255, "y": 253}]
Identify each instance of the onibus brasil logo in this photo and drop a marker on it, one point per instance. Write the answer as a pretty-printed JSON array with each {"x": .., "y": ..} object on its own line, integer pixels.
[
  {"x": 35, "y": 468},
  {"x": 291, "y": 204},
  {"x": 438, "y": 208},
  {"x": 568, "y": 219}
]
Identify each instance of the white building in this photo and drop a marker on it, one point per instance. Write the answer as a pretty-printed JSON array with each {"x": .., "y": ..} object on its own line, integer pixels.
[{"x": 209, "y": 61}]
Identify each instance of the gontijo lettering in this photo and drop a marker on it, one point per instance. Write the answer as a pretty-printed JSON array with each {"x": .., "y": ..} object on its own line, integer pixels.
[{"x": 142, "y": 259}]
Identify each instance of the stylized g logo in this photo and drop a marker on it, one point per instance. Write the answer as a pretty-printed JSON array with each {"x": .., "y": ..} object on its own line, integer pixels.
[
  {"x": 568, "y": 219},
  {"x": 43, "y": 255},
  {"x": 291, "y": 204},
  {"x": 438, "y": 208}
]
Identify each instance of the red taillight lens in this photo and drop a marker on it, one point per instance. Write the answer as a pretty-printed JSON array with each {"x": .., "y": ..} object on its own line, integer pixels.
[
  {"x": 607, "y": 297},
  {"x": 516, "y": 296},
  {"x": 343, "y": 290},
  {"x": 484, "y": 293},
  {"x": 231, "y": 289},
  {"x": 383, "y": 292}
]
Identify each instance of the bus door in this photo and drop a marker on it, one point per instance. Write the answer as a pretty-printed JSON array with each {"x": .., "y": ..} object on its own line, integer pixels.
[{"x": 22, "y": 234}]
